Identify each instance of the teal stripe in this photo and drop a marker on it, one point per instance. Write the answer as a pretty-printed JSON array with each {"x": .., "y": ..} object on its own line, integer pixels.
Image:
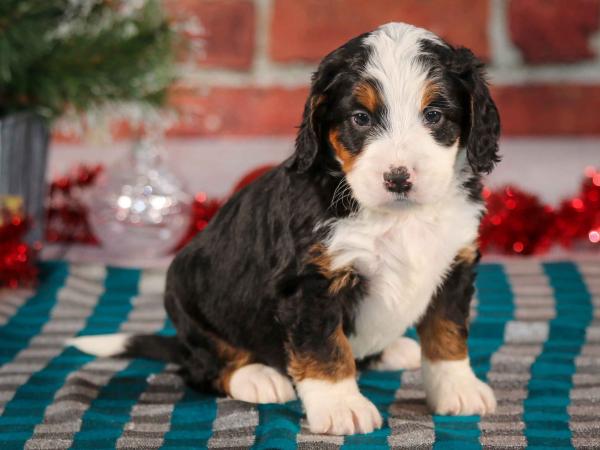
[
  {"x": 34, "y": 313},
  {"x": 486, "y": 336},
  {"x": 193, "y": 415},
  {"x": 113, "y": 405},
  {"x": 278, "y": 425},
  {"x": 380, "y": 387},
  {"x": 111, "y": 410},
  {"x": 545, "y": 409},
  {"x": 120, "y": 286},
  {"x": 191, "y": 421}
]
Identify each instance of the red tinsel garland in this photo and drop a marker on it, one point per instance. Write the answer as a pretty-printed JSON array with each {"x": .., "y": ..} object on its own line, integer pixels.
[
  {"x": 202, "y": 211},
  {"x": 516, "y": 222},
  {"x": 579, "y": 217},
  {"x": 16, "y": 257},
  {"x": 66, "y": 214}
]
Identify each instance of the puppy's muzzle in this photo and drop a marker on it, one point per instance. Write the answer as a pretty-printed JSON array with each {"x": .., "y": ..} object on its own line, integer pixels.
[{"x": 397, "y": 180}]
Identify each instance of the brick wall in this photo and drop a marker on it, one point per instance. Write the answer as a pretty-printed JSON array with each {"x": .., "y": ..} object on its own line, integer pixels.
[{"x": 251, "y": 76}]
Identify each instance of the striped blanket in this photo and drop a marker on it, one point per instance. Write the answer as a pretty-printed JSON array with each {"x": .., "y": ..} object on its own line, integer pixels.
[{"x": 535, "y": 337}]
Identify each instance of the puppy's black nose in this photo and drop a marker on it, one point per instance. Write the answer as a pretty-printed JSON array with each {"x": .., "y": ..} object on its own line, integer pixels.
[{"x": 396, "y": 180}]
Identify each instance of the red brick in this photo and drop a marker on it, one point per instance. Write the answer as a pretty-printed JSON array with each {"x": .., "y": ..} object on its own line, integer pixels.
[
  {"x": 228, "y": 28},
  {"x": 549, "y": 109},
  {"x": 306, "y": 30},
  {"x": 548, "y": 31},
  {"x": 221, "y": 111}
]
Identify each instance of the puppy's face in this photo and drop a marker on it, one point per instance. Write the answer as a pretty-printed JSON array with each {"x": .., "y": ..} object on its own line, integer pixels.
[{"x": 406, "y": 117}]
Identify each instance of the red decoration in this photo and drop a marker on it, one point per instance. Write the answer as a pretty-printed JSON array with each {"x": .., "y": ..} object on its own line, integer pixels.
[
  {"x": 16, "y": 257},
  {"x": 579, "y": 217},
  {"x": 203, "y": 210},
  {"x": 66, "y": 213},
  {"x": 516, "y": 222}
]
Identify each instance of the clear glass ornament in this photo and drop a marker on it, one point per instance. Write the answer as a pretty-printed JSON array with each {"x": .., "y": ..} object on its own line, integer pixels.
[{"x": 138, "y": 208}]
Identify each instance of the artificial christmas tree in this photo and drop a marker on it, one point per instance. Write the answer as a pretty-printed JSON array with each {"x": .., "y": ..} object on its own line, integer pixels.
[{"x": 61, "y": 55}]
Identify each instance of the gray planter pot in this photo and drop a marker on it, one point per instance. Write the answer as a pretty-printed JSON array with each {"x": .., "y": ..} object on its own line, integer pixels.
[{"x": 23, "y": 156}]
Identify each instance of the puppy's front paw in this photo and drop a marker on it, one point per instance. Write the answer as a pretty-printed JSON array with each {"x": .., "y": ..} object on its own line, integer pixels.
[
  {"x": 453, "y": 389},
  {"x": 257, "y": 383},
  {"x": 337, "y": 408}
]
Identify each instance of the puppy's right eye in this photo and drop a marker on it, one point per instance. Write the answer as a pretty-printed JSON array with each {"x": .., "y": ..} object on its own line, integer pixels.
[
  {"x": 361, "y": 119},
  {"x": 432, "y": 116}
]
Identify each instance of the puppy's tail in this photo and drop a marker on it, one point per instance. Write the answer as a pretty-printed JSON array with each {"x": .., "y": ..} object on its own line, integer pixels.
[{"x": 122, "y": 345}]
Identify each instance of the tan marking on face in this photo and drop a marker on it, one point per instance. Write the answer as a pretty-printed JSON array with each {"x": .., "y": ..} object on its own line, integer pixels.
[
  {"x": 429, "y": 93},
  {"x": 345, "y": 156},
  {"x": 339, "y": 279},
  {"x": 442, "y": 339},
  {"x": 337, "y": 366},
  {"x": 232, "y": 358},
  {"x": 468, "y": 254},
  {"x": 367, "y": 95}
]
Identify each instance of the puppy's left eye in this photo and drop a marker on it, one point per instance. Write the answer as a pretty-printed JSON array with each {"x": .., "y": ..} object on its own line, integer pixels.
[
  {"x": 361, "y": 119},
  {"x": 432, "y": 116}
]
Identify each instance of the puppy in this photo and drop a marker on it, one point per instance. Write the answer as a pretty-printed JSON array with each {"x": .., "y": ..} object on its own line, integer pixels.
[{"x": 319, "y": 266}]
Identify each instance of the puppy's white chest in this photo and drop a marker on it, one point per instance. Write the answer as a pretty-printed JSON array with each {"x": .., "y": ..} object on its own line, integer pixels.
[{"x": 404, "y": 257}]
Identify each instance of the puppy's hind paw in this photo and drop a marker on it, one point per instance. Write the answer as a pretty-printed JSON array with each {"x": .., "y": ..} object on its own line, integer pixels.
[{"x": 402, "y": 354}]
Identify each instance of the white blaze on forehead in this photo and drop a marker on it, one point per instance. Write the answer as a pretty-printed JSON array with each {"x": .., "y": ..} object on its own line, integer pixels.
[{"x": 394, "y": 62}]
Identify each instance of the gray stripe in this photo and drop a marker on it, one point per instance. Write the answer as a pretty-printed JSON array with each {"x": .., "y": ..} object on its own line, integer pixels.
[
  {"x": 70, "y": 402},
  {"x": 10, "y": 302},
  {"x": 151, "y": 416},
  {"x": 234, "y": 425},
  {"x": 510, "y": 365},
  {"x": 313, "y": 441},
  {"x": 37, "y": 355},
  {"x": 410, "y": 420}
]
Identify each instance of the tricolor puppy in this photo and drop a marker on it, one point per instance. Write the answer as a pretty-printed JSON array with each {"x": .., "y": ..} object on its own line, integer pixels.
[{"x": 319, "y": 266}]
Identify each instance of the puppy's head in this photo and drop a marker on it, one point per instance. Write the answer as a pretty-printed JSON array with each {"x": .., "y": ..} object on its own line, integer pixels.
[{"x": 404, "y": 116}]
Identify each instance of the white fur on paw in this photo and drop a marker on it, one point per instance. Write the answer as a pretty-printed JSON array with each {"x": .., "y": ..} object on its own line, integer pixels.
[
  {"x": 453, "y": 389},
  {"x": 337, "y": 408},
  {"x": 403, "y": 354},
  {"x": 257, "y": 383}
]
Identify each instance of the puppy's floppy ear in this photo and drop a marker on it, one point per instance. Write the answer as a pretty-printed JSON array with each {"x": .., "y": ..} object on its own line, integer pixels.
[
  {"x": 307, "y": 141},
  {"x": 481, "y": 138},
  {"x": 347, "y": 59}
]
